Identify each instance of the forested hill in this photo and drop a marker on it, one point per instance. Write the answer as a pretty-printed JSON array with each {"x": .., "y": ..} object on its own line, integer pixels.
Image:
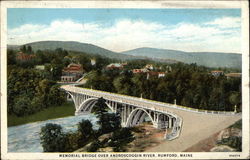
[
  {"x": 74, "y": 46},
  {"x": 208, "y": 59}
]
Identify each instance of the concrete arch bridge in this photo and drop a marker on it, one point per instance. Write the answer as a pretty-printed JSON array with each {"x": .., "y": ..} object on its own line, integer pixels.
[{"x": 133, "y": 110}]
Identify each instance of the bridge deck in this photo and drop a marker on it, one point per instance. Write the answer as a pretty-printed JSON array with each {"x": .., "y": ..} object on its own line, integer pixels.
[{"x": 145, "y": 103}]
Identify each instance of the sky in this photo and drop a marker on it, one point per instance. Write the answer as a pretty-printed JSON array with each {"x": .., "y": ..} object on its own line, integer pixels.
[{"x": 191, "y": 30}]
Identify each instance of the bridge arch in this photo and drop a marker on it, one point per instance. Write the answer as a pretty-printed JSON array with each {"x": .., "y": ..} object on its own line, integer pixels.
[
  {"x": 88, "y": 104},
  {"x": 137, "y": 116},
  {"x": 73, "y": 98}
]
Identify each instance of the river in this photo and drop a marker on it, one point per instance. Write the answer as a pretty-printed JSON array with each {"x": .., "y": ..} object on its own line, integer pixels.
[{"x": 26, "y": 138}]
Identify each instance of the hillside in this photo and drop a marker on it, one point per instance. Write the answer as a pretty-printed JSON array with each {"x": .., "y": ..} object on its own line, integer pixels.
[
  {"x": 74, "y": 46},
  {"x": 209, "y": 59}
]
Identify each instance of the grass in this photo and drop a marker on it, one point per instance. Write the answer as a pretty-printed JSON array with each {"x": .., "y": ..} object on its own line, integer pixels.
[{"x": 67, "y": 109}]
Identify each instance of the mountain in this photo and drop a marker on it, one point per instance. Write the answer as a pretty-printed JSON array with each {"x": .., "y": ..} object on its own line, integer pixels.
[
  {"x": 74, "y": 46},
  {"x": 208, "y": 59}
]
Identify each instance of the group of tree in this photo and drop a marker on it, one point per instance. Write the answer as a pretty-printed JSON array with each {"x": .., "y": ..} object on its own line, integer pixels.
[
  {"x": 28, "y": 91},
  {"x": 190, "y": 85},
  {"x": 53, "y": 139}
]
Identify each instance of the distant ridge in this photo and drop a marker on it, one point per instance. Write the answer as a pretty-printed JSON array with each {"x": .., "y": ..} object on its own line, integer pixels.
[
  {"x": 208, "y": 59},
  {"x": 76, "y": 46}
]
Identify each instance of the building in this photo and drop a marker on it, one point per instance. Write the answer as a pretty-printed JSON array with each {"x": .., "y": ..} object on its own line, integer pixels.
[
  {"x": 161, "y": 74},
  {"x": 116, "y": 66},
  {"x": 93, "y": 62},
  {"x": 157, "y": 74},
  {"x": 217, "y": 73},
  {"x": 24, "y": 57},
  {"x": 149, "y": 66},
  {"x": 72, "y": 72},
  {"x": 40, "y": 67},
  {"x": 233, "y": 75},
  {"x": 144, "y": 70}
]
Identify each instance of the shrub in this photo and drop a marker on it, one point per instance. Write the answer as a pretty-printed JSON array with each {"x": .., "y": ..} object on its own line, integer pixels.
[
  {"x": 94, "y": 146},
  {"x": 52, "y": 138}
]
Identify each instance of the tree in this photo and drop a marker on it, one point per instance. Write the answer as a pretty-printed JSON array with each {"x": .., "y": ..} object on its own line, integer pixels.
[
  {"x": 94, "y": 146},
  {"x": 123, "y": 84},
  {"x": 235, "y": 99},
  {"x": 52, "y": 138},
  {"x": 11, "y": 57},
  {"x": 43, "y": 90},
  {"x": 22, "y": 105},
  {"x": 55, "y": 96},
  {"x": 100, "y": 107},
  {"x": 108, "y": 122},
  {"x": 120, "y": 138},
  {"x": 23, "y": 48},
  {"x": 85, "y": 128},
  {"x": 29, "y": 50}
]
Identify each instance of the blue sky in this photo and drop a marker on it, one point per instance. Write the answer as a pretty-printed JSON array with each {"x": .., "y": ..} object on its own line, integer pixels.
[{"x": 169, "y": 26}]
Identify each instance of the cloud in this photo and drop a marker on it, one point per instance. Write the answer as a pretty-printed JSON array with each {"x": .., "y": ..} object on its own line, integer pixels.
[
  {"x": 226, "y": 22},
  {"x": 222, "y": 35}
]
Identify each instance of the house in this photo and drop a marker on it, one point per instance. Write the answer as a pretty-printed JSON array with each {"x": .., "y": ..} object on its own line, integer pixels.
[
  {"x": 72, "y": 72},
  {"x": 217, "y": 73},
  {"x": 40, "y": 67},
  {"x": 233, "y": 75},
  {"x": 157, "y": 74},
  {"x": 161, "y": 74},
  {"x": 93, "y": 62},
  {"x": 116, "y": 66},
  {"x": 149, "y": 66},
  {"x": 24, "y": 57},
  {"x": 144, "y": 70}
]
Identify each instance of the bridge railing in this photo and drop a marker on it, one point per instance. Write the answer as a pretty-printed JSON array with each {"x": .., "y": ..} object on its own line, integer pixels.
[
  {"x": 127, "y": 99},
  {"x": 176, "y": 130}
]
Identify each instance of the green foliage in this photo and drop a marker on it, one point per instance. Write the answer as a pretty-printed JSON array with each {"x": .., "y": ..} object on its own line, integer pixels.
[
  {"x": 108, "y": 122},
  {"x": 100, "y": 107},
  {"x": 28, "y": 91},
  {"x": 233, "y": 141},
  {"x": 66, "y": 109},
  {"x": 29, "y": 50},
  {"x": 11, "y": 57},
  {"x": 85, "y": 129},
  {"x": 52, "y": 138},
  {"x": 23, "y": 48},
  {"x": 190, "y": 85},
  {"x": 73, "y": 141},
  {"x": 94, "y": 146},
  {"x": 22, "y": 106},
  {"x": 120, "y": 138},
  {"x": 237, "y": 124}
]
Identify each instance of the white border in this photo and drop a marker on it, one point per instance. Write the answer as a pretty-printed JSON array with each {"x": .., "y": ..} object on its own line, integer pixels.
[{"x": 128, "y": 4}]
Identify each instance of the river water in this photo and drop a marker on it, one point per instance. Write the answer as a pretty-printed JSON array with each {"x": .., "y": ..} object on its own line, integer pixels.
[{"x": 26, "y": 138}]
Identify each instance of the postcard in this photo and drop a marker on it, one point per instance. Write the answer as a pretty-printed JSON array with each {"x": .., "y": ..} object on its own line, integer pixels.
[{"x": 124, "y": 80}]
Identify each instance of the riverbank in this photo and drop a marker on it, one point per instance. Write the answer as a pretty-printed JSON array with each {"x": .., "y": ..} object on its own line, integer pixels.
[
  {"x": 66, "y": 109},
  {"x": 145, "y": 137}
]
